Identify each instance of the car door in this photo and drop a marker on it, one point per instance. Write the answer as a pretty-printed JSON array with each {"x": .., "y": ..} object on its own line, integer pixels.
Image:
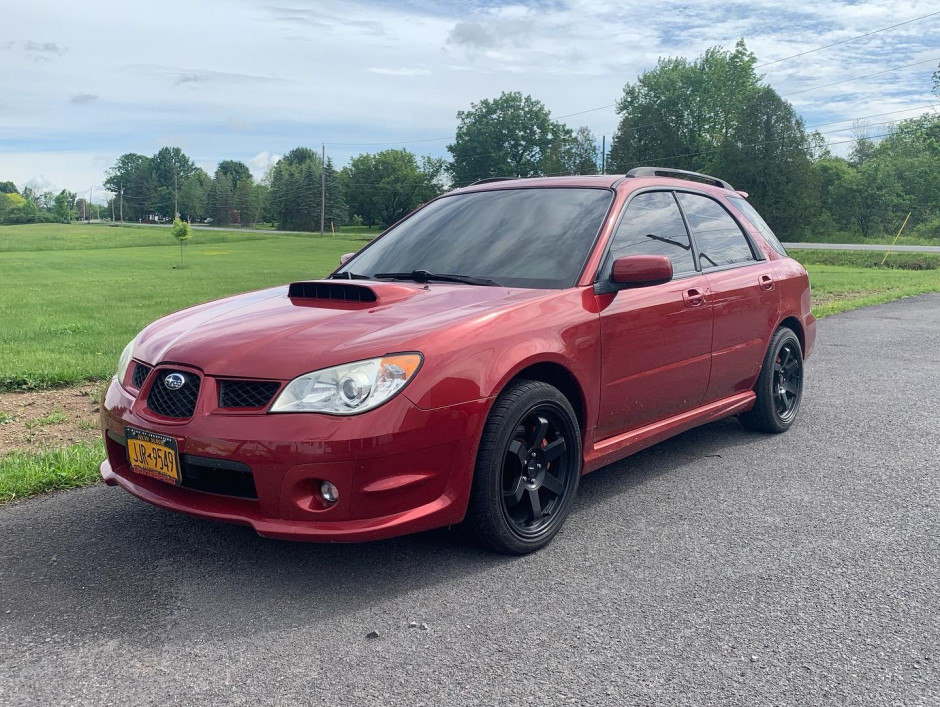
[
  {"x": 656, "y": 340},
  {"x": 744, "y": 296}
]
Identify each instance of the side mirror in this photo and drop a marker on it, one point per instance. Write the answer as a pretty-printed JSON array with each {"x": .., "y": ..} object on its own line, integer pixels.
[
  {"x": 345, "y": 257},
  {"x": 640, "y": 271}
]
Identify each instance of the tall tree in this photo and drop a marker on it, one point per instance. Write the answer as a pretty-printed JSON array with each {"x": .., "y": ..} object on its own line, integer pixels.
[
  {"x": 63, "y": 206},
  {"x": 8, "y": 188},
  {"x": 246, "y": 201},
  {"x": 194, "y": 196},
  {"x": 151, "y": 184},
  {"x": 221, "y": 199},
  {"x": 170, "y": 167},
  {"x": 863, "y": 146},
  {"x": 236, "y": 171},
  {"x": 295, "y": 190},
  {"x": 509, "y": 136},
  {"x": 336, "y": 211},
  {"x": 383, "y": 187},
  {"x": 681, "y": 113},
  {"x": 583, "y": 152},
  {"x": 714, "y": 115},
  {"x": 132, "y": 173},
  {"x": 767, "y": 154}
]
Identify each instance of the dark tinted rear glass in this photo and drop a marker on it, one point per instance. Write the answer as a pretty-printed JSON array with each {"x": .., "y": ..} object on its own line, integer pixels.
[
  {"x": 719, "y": 239},
  {"x": 759, "y": 223},
  {"x": 517, "y": 237}
]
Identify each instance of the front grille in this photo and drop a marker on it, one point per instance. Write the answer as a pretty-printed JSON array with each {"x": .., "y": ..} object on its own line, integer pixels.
[
  {"x": 246, "y": 394},
  {"x": 140, "y": 375},
  {"x": 179, "y": 403},
  {"x": 222, "y": 476}
]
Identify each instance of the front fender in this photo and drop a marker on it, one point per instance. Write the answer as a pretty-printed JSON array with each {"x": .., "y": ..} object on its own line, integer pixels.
[{"x": 480, "y": 357}]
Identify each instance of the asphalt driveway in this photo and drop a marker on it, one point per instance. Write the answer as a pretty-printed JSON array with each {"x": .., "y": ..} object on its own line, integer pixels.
[{"x": 721, "y": 567}]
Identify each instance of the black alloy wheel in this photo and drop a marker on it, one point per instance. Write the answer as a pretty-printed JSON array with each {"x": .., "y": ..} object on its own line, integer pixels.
[
  {"x": 788, "y": 380},
  {"x": 535, "y": 471},
  {"x": 779, "y": 387},
  {"x": 527, "y": 471}
]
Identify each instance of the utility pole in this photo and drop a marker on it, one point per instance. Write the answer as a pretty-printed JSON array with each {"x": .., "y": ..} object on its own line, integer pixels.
[
  {"x": 603, "y": 154},
  {"x": 322, "y": 187},
  {"x": 112, "y": 207},
  {"x": 122, "y": 203},
  {"x": 176, "y": 195}
]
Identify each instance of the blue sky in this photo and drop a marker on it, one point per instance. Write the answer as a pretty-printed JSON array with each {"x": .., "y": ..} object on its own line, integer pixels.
[{"x": 250, "y": 79}]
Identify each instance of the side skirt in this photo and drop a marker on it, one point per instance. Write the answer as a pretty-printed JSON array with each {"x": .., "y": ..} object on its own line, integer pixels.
[{"x": 607, "y": 451}]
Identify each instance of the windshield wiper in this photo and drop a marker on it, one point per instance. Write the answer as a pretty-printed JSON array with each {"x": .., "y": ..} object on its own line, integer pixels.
[
  {"x": 425, "y": 276},
  {"x": 346, "y": 275}
]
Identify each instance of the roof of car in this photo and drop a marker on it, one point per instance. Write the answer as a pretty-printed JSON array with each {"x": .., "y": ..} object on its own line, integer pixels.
[{"x": 601, "y": 181}]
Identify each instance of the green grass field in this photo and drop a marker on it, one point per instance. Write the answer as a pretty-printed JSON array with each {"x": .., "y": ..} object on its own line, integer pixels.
[
  {"x": 24, "y": 474},
  {"x": 68, "y": 311},
  {"x": 72, "y": 296}
]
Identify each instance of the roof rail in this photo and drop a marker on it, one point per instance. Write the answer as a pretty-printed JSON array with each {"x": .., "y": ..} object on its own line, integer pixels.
[
  {"x": 492, "y": 179},
  {"x": 679, "y": 174}
]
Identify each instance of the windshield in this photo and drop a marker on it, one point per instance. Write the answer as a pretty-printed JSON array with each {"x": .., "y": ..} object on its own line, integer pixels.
[{"x": 537, "y": 238}]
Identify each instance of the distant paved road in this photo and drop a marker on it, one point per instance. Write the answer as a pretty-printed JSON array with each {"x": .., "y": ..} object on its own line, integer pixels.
[
  {"x": 722, "y": 567},
  {"x": 197, "y": 227},
  {"x": 864, "y": 246}
]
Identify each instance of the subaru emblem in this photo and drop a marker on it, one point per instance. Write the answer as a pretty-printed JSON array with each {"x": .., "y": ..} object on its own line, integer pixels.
[{"x": 174, "y": 381}]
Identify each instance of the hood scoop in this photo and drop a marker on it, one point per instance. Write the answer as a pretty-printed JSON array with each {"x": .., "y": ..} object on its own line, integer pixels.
[{"x": 330, "y": 290}]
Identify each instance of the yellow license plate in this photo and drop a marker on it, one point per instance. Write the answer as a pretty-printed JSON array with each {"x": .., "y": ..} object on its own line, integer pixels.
[{"x": 153, "y": 455}]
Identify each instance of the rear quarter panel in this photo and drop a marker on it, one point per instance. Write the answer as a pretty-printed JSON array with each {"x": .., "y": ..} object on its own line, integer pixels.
[{"x": 795, "y": 299}]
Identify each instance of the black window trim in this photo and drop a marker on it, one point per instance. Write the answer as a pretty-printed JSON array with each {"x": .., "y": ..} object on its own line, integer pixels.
[
  {"x": 610, "y": 206},
  {"x": 756, "y": 252},
  {"x": 600, "y": 279}
]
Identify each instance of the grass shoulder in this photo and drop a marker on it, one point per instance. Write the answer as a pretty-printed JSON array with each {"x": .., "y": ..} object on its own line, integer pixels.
[{"x": 24, "y": 474}]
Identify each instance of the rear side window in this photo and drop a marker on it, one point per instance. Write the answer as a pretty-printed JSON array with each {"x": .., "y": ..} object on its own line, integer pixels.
[
  {"x": 652, "y": 225},
  {"x": 750, "y": 213},
  {"x": 719, "y": 239}
]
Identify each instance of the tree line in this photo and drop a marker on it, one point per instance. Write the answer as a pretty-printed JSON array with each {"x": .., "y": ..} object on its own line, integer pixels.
[{"x": 711, "y": 114}]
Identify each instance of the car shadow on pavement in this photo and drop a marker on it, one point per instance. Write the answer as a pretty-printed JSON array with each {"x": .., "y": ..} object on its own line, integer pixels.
[{"x": 100, "y": 562}]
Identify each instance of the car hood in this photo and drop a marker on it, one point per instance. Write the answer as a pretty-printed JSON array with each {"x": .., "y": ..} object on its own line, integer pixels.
[{"x": 268, "y": 334}]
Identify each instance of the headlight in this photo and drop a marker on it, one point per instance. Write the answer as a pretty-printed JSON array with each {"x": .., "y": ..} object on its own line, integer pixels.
[
  {"x": 126, "y": 355},
  {"x": 351, "y": 388}
]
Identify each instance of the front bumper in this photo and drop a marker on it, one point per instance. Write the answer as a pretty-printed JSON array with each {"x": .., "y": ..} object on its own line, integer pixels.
[{"x": 399, "y": 469}]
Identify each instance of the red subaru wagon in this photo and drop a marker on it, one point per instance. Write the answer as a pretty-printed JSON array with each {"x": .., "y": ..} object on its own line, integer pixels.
[{"x": 469, "y": 365}]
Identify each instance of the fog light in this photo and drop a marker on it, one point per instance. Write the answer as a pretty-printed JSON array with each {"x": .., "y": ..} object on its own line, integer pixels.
[{"x": 329, "y": 492}]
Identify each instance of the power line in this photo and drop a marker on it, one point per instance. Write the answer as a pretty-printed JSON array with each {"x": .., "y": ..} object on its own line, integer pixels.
[
  {"x": 859, "y": 78},
  {"x": 392, "y": 142},
  {"x": 846, "y": 41}
]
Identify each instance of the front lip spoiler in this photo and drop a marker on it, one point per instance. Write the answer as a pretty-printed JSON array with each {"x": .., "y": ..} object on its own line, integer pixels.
[{"x": 245, "y": 512}]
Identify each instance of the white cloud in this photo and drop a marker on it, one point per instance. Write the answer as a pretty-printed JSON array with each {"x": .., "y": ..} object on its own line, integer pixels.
[{"x": 260, "y": 163}]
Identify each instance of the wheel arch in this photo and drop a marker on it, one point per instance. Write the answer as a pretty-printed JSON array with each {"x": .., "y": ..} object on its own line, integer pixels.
[
  {"x": 557, "y": 375},
  {"x": 796, "y": 325}
]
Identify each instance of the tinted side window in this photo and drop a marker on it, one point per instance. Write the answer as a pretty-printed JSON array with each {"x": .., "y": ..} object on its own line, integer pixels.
[
  {"x": 652, "y": 225},
  {"x": 750, "y": 213},
  {"x": 717, "y": 236}
]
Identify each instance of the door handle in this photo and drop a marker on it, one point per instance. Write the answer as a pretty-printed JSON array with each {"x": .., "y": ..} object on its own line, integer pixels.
[
  {"x": 766, "y": 282},
  {"x": 693, "y": 297}
]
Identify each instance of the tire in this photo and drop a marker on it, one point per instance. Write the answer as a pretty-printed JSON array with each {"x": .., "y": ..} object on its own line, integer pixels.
[
  {"x": 527, "y": 471},
  {"x": 779, "y": 387}
]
